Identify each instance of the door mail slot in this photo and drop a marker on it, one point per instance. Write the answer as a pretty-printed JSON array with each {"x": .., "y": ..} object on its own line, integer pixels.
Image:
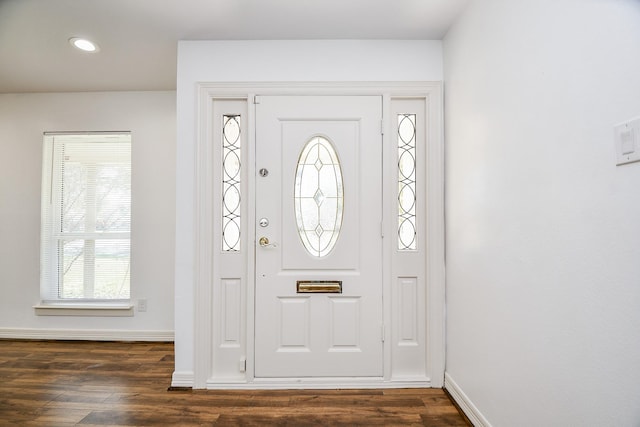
[{"x": 319, "y": 287}]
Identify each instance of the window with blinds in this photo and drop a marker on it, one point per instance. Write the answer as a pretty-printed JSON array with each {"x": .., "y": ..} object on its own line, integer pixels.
[{"x": 86, "y": 217}]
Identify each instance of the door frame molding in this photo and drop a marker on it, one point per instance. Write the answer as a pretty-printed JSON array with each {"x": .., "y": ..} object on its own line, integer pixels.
[{"x": 204, "y": 265}]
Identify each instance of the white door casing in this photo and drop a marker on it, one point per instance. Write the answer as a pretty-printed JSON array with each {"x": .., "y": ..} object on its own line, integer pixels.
[
  {"x": 225, "y": 284},
  {"x": 319, "y": 334}
]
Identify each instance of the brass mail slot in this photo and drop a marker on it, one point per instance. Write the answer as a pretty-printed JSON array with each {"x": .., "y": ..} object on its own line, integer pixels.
[{"x": 319, "y": 287}]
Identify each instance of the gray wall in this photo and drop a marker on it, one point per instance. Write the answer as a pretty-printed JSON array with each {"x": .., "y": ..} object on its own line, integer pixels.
[
  {"x": 543, "y": 230},
  {"x": 151, "y": 118}
]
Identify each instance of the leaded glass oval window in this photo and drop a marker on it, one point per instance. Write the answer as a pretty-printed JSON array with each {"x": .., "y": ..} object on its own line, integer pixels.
[{"x": 318, "y": 196}]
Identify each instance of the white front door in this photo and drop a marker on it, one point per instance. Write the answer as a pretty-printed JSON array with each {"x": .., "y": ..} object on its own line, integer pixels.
[{"x": 318, "y": 297}]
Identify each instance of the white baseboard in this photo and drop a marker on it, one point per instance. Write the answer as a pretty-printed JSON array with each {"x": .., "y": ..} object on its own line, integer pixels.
[
  {"x": 85, "y": 334},
  {"x": 182, "y": 379},
  {"x": 465, "y": 404}
]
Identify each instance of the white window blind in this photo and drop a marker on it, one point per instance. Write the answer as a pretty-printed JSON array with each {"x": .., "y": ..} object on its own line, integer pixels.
[{"x": 86, "y": 217}]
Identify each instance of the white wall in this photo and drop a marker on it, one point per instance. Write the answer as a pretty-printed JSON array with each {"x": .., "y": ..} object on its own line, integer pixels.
[
  {"x": 262, "y": 61},
  {"x": 150, "y": 116},
  {"x": 543, "y": 230}
]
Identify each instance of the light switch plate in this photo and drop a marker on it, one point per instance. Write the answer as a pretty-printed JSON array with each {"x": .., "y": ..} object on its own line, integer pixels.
[{"x": 627, "y": 139}]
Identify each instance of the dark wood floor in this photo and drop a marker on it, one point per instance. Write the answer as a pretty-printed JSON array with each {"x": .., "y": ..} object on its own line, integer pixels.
[{"x": 62, "y": 383}]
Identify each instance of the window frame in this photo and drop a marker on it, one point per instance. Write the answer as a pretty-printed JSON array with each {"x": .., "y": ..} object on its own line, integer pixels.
[{"x": 52, "y": 303}]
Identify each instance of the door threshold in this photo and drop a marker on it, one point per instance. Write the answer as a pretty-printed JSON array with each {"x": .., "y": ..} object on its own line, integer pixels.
[{"x": 318, "y": 383}]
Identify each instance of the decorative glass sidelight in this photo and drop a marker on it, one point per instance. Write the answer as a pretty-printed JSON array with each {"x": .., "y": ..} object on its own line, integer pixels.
[
  {"x": 318, "y": 196},
  {"x": 407, "y": 182},
  {"x": 231, "y": 168}
]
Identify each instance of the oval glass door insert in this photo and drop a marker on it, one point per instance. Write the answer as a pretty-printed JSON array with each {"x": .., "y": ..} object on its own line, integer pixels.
[{"x": 318, "y": 196}]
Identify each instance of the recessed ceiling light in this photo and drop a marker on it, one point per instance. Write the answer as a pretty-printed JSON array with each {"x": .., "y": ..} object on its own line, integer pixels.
[{"x": 83, "y": 44}]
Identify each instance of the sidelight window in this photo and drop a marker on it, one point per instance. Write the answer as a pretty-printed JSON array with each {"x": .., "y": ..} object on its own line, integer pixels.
[
  {"x": 406, "y": 182},
  {"x": 231, "y": 196}
]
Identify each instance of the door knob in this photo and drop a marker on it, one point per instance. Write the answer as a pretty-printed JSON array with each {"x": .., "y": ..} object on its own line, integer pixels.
[{"x": 264, "y": 242}]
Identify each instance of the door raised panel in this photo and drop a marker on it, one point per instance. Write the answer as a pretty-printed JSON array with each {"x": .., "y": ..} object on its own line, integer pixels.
[
  {"x": 293, "y": 319},
  {"x": 345, "y": 324}
]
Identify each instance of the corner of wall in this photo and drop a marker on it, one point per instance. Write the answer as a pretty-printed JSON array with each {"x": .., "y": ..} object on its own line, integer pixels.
[{"x": 463, "y": 401}]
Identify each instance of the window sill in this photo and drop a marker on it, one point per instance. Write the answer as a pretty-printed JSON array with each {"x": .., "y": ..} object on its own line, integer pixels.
[{"x": 85, "y": 309}]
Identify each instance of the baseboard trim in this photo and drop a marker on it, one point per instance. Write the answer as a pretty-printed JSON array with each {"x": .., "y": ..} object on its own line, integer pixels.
[
  {"x": 182, "y": 379},
  {"x": 469, "y": 409},
  {"x": 85, "y": 334}
]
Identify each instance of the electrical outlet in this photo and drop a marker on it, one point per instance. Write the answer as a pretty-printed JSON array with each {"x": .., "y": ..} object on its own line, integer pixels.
[{"x": 142, "y": 305}]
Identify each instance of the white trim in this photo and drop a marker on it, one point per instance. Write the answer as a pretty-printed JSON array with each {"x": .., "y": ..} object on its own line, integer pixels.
[
  {"x": 85, "y": 334},
  {"x": 182, "y": 379},
  {"x": 206, "y": 93},
  {"x": 387, "y": 220},
  {"x": 242, "y": 89},
  {"x": 88, "y": 310},
  {"x": 469, "y": 409},
  {"x": 317, "y": 383},
  {"x": 249, "y": 342},
  {"x": 435, "y": 238},
  {"x": 203, "y": 227}
]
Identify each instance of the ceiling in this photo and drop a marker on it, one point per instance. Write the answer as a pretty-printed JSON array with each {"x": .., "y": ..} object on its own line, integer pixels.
[{"x": 138, "y": 38}]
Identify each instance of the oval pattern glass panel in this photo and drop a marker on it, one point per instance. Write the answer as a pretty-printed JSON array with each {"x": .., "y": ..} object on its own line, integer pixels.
[{"x": 318, "y": 196}]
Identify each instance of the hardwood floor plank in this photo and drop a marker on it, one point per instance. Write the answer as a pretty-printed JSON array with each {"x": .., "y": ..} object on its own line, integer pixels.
[
  {"x": 321, "y": 400},
  {"x": 316, "y": 420},
  {"x": 83, "y": 396},
  {"x": 440, "y": 421},
  {"x": 53, "y": 416},
  {"x": 132, "y": 418}
]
